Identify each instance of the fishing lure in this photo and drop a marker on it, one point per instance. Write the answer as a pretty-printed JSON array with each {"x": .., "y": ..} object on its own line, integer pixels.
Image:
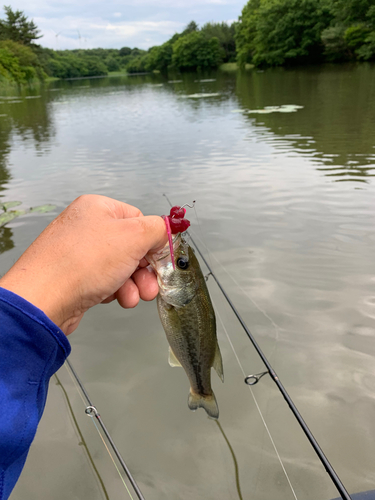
[{"x": 175, "y": 223}]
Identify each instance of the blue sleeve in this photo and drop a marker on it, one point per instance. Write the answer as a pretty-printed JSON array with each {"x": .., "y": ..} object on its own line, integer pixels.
[{"x": 32, "y": 349}]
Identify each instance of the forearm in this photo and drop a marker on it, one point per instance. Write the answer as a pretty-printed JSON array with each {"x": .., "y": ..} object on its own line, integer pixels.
[{"x": 32, "y": 348}]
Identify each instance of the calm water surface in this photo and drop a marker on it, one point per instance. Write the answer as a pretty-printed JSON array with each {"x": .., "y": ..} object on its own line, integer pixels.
[{"x": 286, "y": 203}]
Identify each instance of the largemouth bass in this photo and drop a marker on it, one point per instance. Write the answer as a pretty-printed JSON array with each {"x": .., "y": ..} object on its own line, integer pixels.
[{"x": 188, "y": 318}]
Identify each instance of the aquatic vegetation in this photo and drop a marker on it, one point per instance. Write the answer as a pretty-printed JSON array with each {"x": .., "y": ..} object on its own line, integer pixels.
[
  {"x": 201, "y": 95},
  {"x": 9, "y": 215},
  {"x": 42, "y": 209},
  {"x": 284, "y": 108},
  {"x": 10, "y": 204}
]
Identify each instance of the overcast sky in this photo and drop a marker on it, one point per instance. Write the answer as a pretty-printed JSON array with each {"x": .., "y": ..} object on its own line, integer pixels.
[{"x": 70, "y": 24}]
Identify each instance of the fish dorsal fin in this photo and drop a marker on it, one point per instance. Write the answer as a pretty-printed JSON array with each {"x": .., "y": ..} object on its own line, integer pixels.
[
  {"x": 218, "y": 363},
  {"x": 172, "y": 360}
]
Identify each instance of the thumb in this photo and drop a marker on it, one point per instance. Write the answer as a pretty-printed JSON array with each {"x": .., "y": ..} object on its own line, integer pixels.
[{"x": 144, "y": 234}]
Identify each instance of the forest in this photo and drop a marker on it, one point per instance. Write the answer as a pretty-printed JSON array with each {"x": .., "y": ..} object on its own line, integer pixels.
[{"x": 267, "y": 33}]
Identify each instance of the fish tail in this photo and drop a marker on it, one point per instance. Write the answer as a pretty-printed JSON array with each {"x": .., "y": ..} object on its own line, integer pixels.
[{"x": 206, "y": 401}]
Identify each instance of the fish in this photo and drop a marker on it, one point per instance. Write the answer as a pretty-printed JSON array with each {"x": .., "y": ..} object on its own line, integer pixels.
[{"x": 188, "y": 318}]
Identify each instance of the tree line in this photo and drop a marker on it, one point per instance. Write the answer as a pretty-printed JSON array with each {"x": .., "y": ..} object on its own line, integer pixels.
[
  {"x": 283, "y": 32},
  {"x": 267, "y": 33},
  {"x": 193, "y": 49}
]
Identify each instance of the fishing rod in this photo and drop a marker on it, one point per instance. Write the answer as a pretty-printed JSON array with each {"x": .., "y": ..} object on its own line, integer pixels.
[
  {"x": 91, "y": 411},
  {"x": 253, "y": 379}
]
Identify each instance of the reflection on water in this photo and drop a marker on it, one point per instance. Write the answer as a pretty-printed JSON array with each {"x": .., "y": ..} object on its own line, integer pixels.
[
  {"x": 293, "y": 247},
  {"x": 6, "y": 242},
  {"x": 235, "y": 462},
  {"x": 336, "y": 126}
]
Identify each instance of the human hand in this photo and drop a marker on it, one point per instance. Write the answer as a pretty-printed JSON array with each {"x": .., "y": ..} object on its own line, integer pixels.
[{"x": 92, "y": 252}]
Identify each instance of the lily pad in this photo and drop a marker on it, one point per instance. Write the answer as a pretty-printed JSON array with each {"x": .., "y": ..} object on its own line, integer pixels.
[
  {"x": 284, "y": 108},
  {"x": 8, "y": 216},
  {"x": 10, "y": 204},
  {"x": 42, "y": 209},
  {"x": 198, "y": 96}
]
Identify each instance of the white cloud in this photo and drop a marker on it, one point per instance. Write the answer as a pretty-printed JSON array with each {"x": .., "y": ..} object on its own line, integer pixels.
[
  {"x": 97, "y": 32},
  {"x": 116, "y": 23}
]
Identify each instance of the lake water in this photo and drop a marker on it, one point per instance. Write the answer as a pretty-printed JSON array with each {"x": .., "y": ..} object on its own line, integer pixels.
[{"x": 285, "y": 203}]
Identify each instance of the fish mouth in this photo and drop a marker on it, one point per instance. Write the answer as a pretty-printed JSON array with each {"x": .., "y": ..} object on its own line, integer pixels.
[{"x": 164, "y": 252}]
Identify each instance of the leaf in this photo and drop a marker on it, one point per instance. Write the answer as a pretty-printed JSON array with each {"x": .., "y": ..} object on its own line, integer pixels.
[
  {"x": 10, "y": 204},
  {"x": 42, "y": 208},
  {"x": 199, "y": 95},
  {"x": 8, "y": 216}
]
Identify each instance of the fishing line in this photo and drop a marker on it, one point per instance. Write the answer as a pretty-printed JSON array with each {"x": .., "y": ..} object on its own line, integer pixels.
[
  {"x": 81, "y": 437},
  {"x": 201, "y": 239},
  {"x": 209, "y": 255},
  {"x": 256, "y": 404},
  {"x": 318, "y": 450},
  {"x": 236, "y": 468},
  {"x": 260, "y": 309},
  {"x": 251, "y": 391},
  {"x": 98, "y": 430},
  {"x": 93, "y": 412},
  {"x": 113, "y": 460}
]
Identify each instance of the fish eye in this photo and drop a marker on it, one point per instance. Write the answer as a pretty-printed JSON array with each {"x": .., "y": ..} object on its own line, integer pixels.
[{"x": 182, "y": 263}]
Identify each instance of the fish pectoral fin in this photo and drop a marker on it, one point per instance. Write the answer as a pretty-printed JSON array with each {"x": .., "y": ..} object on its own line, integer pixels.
[
  {"x": 218, "y": 363},
  {"x": 172, "y": 360}
]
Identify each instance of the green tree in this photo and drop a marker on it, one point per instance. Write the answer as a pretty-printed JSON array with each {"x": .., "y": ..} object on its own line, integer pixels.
[
  {"x": 125, "y": 51},
  {"x": 94, "y": 67},
  {"x": 112, "y": 63},
  {"x": 137, "y": 52},
  {"x": 9, "y": 66},
  {"x": 355, "y": 36},
  {"x": 276, "y": 32},
  {"x": 194, "y": 51},
  {"x": 348, "y": 12},
  {"x": 245, "y": 32},
  {"x": 160, "y": 56},
  {"x": 367, "y": 51},
  {"x": 190, "y": 28},
  {"x": 18, "y": 62},
  {"x": 74, "y": 64},
  {"x": 137, "y": 64},
  {"x": 352, "y": 31},
  {"x": 225, "y": 34},
  {"x": 16, "y": 27},
  {"x": 335, "y": 47}
]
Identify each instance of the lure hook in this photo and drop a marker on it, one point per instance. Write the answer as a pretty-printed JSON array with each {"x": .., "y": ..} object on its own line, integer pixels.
[
  {"x": 187, "y": 205},
  {"x": 254, "y": 379}
]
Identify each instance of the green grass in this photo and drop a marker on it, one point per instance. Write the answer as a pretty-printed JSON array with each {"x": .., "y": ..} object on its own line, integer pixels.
[
  {"x": 232, "y": 66},
  {"x": 117, "y": 73}
]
